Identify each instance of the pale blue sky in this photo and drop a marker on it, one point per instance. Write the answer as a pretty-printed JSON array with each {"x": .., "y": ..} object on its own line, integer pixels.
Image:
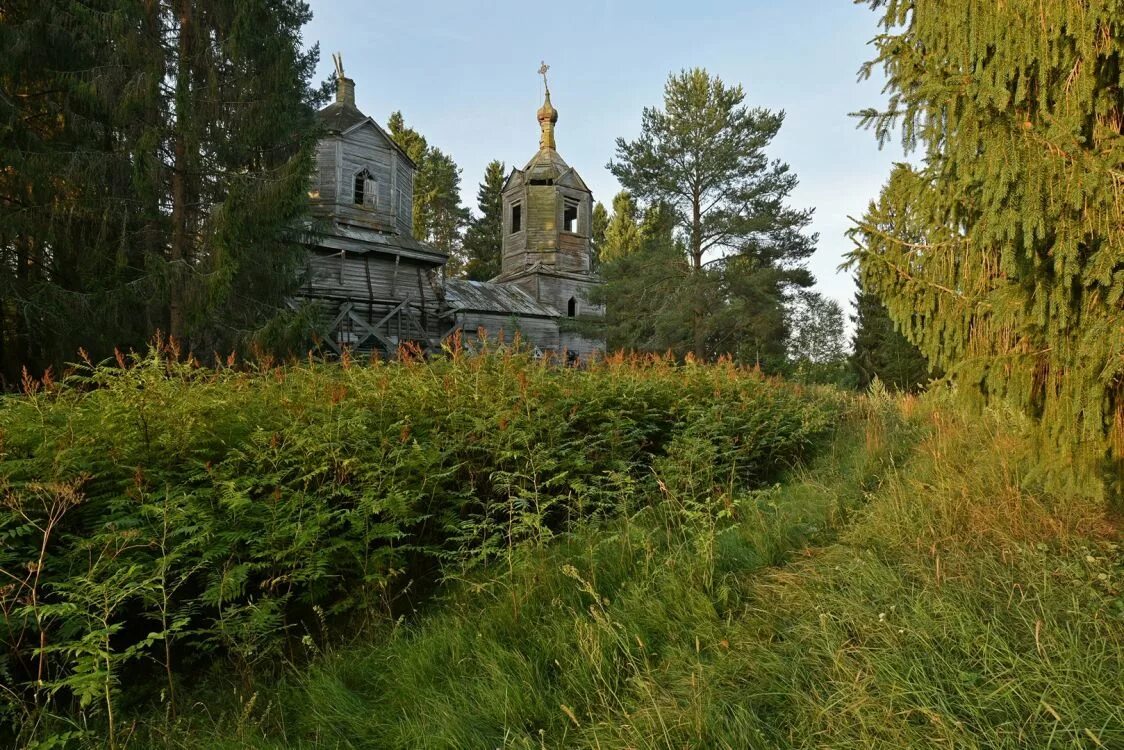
[{"x": 463, "y": 73}]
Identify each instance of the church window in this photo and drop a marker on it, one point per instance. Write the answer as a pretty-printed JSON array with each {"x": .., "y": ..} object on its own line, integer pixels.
[
  {"x": 366, "y": 189},
  {"x": 516, "y": 218},
  {"x": 571, "y": 308},
  {"x": 570, "y": 215},
  {"x": 542, "y": 182}
]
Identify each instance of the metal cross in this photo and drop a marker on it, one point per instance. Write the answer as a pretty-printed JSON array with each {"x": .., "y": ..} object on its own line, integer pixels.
[{"x": 542, "y": 72}]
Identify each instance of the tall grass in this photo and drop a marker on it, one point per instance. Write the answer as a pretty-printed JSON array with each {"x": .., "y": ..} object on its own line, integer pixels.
[
  {"x": 914, "y": 587},
  {"x": 160, "y": 519}
]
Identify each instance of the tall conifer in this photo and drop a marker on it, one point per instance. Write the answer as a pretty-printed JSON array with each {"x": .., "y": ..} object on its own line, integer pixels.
[
  {"x": 439, "y": 217},
  {"x": 157, "y": 156},
  {"x": 622, "y": 234},
  {"x": 1017, "y": 287},
  {"x": 703, "y": 157},
  {"x": 483, "y": 242}
]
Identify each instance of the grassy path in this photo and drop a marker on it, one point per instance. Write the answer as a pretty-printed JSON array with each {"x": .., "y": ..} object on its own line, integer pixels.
[{"x": 911, "y": 588}]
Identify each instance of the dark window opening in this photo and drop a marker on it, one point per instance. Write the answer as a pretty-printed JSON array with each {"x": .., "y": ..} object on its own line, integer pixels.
[
  {"x": 542, "y": 182},
  {"x": 516, "y": 218},
  {"x": 570, "y": 217},
  {"x": 571, "y": 308},
  {"x": 365, "y": 192}
]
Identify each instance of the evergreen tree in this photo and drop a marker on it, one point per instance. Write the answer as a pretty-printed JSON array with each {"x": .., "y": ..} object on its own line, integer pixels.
[
  {"x": 439, "y": 217},
  {"x": 483, "y": 242},
  {"x": 703, "y": 156},
  {"x": 157, "y": 158},
  {"x": 598, "y": 234},
  {"x": 67, "y": 271},
  {"x": 881, "y": 351},
  {"x": 240, "y": 125},
  {"x": 622, "y": 234},
  {"x": 1017, "y": 289},
  {"x": 644, "y": 290}
]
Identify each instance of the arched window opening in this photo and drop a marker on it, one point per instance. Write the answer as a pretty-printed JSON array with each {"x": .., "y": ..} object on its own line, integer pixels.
[
  {"x": 366, "y": 190},
  {"x": 571, "y": 308}
]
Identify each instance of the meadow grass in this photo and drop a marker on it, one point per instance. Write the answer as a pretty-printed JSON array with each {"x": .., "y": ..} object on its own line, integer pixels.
[
  {"x": 913, "y": 587},
  {"x": 160, "y": 521}
]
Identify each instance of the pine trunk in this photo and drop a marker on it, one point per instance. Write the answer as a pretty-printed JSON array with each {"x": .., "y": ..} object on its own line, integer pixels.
[{"x": 698, "y": 335}]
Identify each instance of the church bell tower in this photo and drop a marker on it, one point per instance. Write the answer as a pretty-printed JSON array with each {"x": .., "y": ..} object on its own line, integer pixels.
[{"x": 548, "y": 218}]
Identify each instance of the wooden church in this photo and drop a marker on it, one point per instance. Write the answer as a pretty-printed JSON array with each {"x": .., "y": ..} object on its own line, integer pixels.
[{"x": 374, "y": 287}]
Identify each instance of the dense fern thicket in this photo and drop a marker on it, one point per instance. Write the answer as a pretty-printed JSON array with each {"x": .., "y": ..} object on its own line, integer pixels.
[
  {"x": 158, "y": 516},
  {"x": 913, "y": 587}
]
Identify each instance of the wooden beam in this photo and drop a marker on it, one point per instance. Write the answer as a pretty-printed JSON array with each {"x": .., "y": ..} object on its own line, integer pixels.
[{"x": 371, "y": 333}]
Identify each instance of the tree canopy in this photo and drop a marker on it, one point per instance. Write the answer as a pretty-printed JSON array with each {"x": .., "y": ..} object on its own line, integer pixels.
[
  {"x": 1016, "y": 286},
  {"x": 879, "y": 350},
  {"x": 483, "y": 242},
  {"x": 156, "y": 159},
  {"x": 701, "y": 161},
  {"x": 439, "y": 217}
]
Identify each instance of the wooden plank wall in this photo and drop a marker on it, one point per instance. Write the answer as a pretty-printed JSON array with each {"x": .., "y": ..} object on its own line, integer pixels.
[
  {"x": 338, "y": 159},
  {"x": 535, "y": 331}
]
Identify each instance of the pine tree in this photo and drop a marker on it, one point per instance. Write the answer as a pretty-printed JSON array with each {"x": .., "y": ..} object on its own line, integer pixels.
[
  {"x": 703, "y": 156},
  {"x": 483, "y": 242},
  {"x": 1017, "y": 288}
]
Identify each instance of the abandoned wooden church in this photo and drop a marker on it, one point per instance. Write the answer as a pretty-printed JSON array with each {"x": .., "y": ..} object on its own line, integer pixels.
[{"x": 376, "y": 287}]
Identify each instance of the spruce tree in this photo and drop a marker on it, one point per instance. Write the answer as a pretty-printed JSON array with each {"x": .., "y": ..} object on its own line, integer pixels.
[
  {"x": 879, "y": 350},
  {"x": 439, "y": 217},
  {"x": 156, "y": 163},
  {"x": 241, "y": 128},
  {"x": 1017, "y": 288},
  {"x": 645, "y": 288},
  {"x": 483, "y": 242},
  {"x": 622, "y": 234},
  {"x": 71, "y": 273},
  {"x": 598, "y": 234}
]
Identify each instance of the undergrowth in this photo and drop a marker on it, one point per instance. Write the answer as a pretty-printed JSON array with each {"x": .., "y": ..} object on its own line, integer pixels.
[
  {"x": 913, "y": 587},
  {"x": 161, "y": 521}
]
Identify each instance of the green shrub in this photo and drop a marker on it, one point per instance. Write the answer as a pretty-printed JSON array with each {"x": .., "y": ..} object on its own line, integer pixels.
[
  {"x": 158, "y": 516},
  {"x": 914, "y": 586}
]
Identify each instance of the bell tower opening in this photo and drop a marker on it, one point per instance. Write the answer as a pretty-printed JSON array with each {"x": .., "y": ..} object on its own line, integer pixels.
[{"x": 570, "y": 215}]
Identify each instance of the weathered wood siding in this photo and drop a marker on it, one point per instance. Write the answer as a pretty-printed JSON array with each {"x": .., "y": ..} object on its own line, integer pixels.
[
  {"x": 340, "y": 158},
  {"x": 370, "y": 276},
  {"x": 326, "y": 185},
  {"x": 586, "y": 349},
  {"x": 494, "y": 327},
  {"x": 404, "y": 200}
]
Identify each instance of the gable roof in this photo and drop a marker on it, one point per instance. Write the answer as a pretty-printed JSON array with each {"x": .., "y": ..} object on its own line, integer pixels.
[{"x": 340, "y": 118}]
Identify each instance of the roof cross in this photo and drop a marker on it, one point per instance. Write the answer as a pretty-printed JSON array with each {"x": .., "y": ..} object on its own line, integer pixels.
[{"x": 542, "y": 72}]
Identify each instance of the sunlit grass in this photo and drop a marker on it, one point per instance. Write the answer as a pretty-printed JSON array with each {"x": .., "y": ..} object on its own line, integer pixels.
[{"x": 912, "y": 588}]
